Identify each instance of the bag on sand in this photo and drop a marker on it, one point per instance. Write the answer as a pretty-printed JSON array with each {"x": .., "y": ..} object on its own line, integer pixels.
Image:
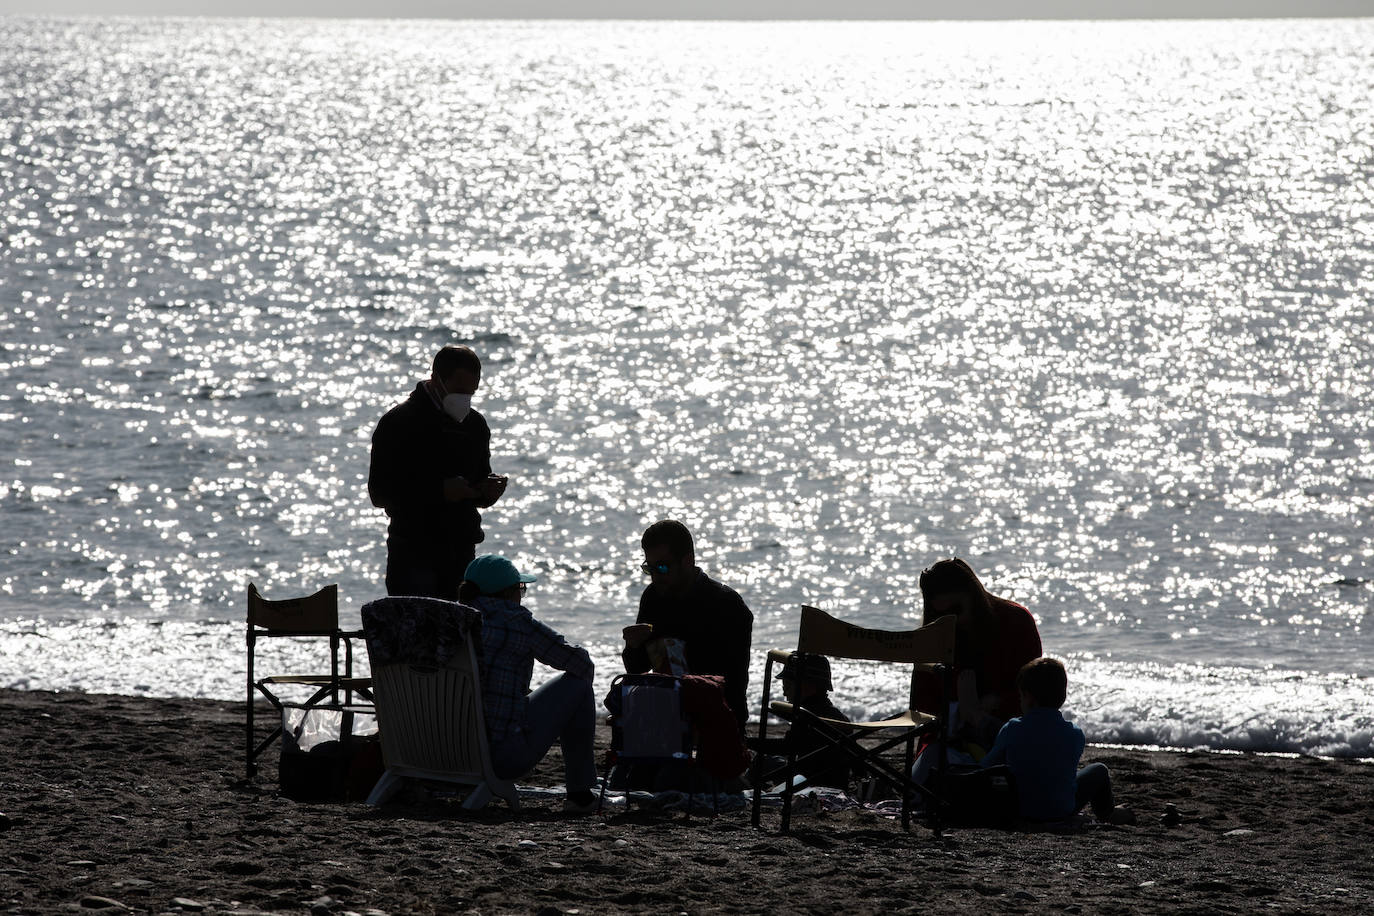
[
  {"x": 329, "y": 754},
  {"x": 978, "y": 796}
]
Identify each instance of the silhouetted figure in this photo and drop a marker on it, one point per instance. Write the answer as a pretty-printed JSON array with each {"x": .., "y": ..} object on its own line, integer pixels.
[
  {"x": 995, "y": 637},
  {"x": 522, "y": 726},
  {"x": 1043, "y": 751},
  {"x": 431, "y": 472},
  {"x": 806, "y": 683},
  {"x": 682, "y": 603}
]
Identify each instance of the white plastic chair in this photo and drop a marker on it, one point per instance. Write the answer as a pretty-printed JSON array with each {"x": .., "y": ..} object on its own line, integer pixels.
[{"x": 429, "y": 709}]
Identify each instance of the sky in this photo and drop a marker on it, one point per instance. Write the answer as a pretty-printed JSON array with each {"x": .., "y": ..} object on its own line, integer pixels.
[{"x": 701, "y": 9}]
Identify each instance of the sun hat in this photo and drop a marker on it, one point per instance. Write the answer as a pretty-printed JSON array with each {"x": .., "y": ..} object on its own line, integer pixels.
[{"x": 493, "y": 574}]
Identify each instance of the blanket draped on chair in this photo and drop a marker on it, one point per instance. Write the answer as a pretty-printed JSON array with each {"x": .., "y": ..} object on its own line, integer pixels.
[
  {"x": 720, "y": 749},
  {"x": 418, "y": 631}
]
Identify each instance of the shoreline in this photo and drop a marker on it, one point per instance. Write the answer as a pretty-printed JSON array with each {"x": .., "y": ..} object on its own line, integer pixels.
[
  {"x": 1116, "y": 703},
  {"x": 1222, "y": 751},
  {"x": 138, "y": 805}
]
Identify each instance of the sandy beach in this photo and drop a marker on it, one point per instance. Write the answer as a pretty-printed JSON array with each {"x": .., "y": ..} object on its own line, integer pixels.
[{"x": 130, "y": 804}]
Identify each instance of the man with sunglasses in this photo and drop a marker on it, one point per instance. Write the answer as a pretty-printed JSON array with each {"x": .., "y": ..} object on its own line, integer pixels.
[{"x": 684, "y": 603}]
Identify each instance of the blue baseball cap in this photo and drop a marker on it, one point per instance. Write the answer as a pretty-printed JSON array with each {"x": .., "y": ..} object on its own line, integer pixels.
[{"x": 493, "y": 574}]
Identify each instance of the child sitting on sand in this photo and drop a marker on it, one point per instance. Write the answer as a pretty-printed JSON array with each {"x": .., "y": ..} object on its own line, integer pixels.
[{"x": 1043, "y": 750}]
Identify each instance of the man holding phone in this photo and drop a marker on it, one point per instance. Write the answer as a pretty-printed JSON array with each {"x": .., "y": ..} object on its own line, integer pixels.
[{"x": 431, "y": 473}]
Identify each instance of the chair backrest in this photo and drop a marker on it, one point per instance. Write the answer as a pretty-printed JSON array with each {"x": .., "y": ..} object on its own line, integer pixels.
[
  {"x": 316, "y": 614},
  {"x": 826, "y": 635},
  {"x": 426, "y": 683},
  {"x": 932, "y": 644},
  {"x": 431, "y": 718}
]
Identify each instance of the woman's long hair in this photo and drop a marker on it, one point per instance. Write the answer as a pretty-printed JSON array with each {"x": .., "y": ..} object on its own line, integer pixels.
[{"x": 953, "y": 576}]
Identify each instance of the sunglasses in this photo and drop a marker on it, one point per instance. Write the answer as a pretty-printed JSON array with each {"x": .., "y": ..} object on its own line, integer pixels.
[{"x": 651, "y": 568}]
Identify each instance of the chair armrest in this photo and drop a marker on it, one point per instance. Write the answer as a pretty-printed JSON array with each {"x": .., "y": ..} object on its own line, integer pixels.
[
  {"x": 779, "y": 655},
  {"x": 298, "y": 680},
  {"x": 781, "y": 709}
]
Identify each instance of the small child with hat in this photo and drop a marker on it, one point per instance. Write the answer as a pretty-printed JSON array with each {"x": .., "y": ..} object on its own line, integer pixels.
[{"x": 806, "y": 683}]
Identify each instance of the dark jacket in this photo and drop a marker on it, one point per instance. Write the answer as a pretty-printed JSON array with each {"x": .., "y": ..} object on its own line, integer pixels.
[
  {"x": 716, "y": 626},
  {"x": 1043, "y": 750},
  {"x": 415, "y": 447}
]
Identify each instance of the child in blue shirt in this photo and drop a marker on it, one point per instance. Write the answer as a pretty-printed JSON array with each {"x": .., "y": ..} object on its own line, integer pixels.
[{"x": 1043, "y": 751}]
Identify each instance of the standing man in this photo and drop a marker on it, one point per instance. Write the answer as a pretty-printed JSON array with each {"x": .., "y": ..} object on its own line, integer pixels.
[
  {"x": 431, "y": 472},
  {"x": 682, "y": 602}
]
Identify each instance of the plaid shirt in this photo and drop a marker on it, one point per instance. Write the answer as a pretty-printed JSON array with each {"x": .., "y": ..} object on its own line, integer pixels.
[{"x": 511, "y": 641}]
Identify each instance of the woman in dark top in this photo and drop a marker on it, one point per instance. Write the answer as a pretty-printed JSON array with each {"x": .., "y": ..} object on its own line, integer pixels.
[{"x": 995, "y": 637}]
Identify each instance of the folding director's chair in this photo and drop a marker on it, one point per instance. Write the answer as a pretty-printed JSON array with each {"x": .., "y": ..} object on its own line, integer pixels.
[
  {"x": 864, "y": 743},
  {"x": 313, "y": 616}
]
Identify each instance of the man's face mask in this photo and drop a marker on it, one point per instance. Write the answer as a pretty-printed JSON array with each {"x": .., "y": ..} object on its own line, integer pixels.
[{"x": 457, "y": 406}]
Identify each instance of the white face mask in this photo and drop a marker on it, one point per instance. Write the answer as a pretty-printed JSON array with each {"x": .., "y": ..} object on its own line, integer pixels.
[{"x": 457, "y": 406}]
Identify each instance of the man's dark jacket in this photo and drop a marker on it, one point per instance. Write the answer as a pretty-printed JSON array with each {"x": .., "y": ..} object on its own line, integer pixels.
[
  {"x": 717, "y": 627},
  {"x": 415, "y": 447}
]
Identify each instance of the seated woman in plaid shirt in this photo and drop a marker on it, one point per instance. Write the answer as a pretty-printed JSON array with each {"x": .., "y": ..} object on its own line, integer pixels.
[{"x": 522, "y": 726}]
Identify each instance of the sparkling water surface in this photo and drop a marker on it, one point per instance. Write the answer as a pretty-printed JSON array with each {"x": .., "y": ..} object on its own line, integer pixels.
[{"x": 1088, "y": 304}]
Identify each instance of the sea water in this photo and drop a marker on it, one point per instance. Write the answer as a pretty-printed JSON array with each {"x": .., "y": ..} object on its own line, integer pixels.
[{"x": 1088, "y": 304}]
